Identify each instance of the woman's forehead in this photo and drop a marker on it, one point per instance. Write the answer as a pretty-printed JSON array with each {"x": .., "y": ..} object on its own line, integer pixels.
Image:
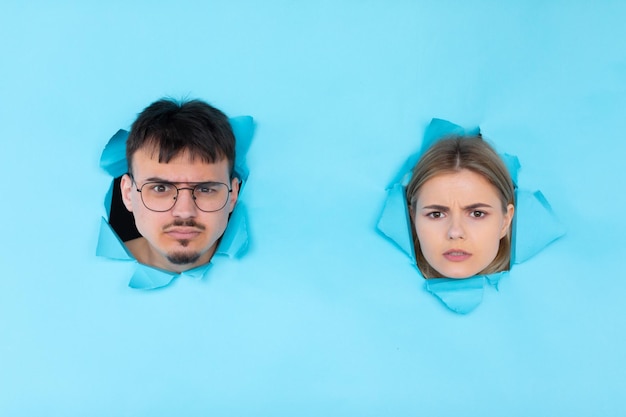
[{"x": 463, "y": 185}]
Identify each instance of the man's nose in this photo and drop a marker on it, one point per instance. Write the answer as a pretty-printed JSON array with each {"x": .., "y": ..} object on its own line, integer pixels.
[{"x": 185, "y": 205}]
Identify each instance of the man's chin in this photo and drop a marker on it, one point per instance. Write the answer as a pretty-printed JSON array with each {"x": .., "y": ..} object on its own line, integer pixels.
[{"x": 183, "y": 258}]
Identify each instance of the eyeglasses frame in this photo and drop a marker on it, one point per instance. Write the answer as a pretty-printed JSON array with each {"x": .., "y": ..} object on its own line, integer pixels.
[{"x": 178, "y": 192}]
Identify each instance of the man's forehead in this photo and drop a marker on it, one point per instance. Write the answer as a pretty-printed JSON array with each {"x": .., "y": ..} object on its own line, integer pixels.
[
  {"x": 154, "y": 153},
  {"x": 145, "y": 163}
]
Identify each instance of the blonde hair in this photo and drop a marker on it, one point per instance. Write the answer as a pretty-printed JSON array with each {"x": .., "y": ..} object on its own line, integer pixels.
[{"x": 453, "y": 154}]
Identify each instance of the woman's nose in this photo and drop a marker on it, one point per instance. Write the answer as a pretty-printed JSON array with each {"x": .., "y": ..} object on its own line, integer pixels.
[{"x": 456, "y": 231}]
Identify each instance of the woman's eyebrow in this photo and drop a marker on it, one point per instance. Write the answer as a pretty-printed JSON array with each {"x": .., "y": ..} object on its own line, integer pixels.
[
  {"x": 476, "y": 206},
  {"x": 445, "y": 208},
  {"x": 436, "y": 207}
]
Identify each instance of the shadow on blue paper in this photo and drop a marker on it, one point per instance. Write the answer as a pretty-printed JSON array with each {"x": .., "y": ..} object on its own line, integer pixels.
[
  {"x": 119, "y": 226},
  {"x": 535, "y": 225}
]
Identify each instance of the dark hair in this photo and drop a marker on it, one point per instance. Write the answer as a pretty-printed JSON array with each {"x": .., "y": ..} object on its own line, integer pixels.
[
  {"x": 453, "y": 154},
  {"x": 170, "y": 127}
]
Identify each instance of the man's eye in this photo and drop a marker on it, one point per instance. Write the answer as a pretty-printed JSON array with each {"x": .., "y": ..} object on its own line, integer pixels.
[
  {"x": 160, "y": 188},
  {"x": 206, "y": 189}
]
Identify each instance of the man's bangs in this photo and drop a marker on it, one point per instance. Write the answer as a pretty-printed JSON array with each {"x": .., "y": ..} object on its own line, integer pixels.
[{"x": 170, "y": 148}]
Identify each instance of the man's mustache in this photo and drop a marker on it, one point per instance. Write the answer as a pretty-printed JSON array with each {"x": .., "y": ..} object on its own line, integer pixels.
[{"x": 185, "y": 223}]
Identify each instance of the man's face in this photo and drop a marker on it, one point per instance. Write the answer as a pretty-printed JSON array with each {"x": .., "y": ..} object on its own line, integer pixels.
[{"x": 183, "y": 237}]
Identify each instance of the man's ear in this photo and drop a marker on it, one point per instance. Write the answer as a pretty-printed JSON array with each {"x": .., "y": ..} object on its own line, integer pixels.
[
  {"x": 126, "y": 187},
  {"x": 508, "y": 219},
  {"x": 234, "y": 194}
]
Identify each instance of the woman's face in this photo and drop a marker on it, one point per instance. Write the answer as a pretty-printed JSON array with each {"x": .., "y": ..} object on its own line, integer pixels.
[{"x": 459, "y": 223}]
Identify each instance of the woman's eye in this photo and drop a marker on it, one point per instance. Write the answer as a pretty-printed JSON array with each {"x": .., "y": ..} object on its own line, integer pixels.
[
  {"x": 435, "y": 215},
  {"x": 478, "y": 213}
]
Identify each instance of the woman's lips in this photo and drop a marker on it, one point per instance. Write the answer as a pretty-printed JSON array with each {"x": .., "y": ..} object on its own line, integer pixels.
[{"x": 456, "y": 255}]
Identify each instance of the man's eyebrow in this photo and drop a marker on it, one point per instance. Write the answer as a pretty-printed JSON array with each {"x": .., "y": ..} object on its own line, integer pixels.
[{"x": 159, "y": 179}]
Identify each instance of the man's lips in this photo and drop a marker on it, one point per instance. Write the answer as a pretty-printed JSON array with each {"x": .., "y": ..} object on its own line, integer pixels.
[
  {"x": 183, "y": 232},
  {"x": 456, "y": 255}
]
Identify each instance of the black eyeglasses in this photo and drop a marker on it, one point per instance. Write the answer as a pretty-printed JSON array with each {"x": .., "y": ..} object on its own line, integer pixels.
[{"x": 161, "y": 196}]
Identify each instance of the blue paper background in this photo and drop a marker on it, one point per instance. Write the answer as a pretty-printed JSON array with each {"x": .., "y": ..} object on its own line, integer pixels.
[{"x": 322, "y": 316}]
